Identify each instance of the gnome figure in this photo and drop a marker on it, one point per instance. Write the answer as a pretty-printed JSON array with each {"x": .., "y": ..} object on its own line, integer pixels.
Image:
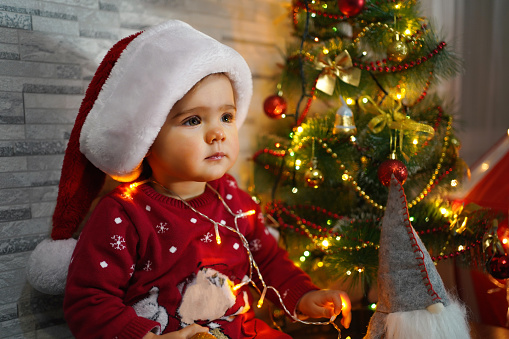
[{"x": 412, "y": 300}]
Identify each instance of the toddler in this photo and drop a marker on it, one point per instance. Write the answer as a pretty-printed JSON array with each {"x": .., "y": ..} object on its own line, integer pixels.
[{"x": 174, "y": 251}]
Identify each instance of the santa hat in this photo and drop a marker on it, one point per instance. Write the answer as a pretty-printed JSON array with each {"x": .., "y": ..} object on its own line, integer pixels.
[
  {"x": 134, "y": 88},
  {"x": 412, "y": 299}
]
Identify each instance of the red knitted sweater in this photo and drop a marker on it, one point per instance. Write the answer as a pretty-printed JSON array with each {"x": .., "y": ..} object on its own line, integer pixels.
[{"x": 148, "y": 262}]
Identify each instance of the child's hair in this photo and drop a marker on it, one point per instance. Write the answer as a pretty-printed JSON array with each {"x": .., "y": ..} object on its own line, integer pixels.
[{"x": 126, "y": 103}]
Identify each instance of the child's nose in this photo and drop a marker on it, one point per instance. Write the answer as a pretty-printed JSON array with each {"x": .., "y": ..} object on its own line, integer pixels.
[{"x": 215, "y": 133}]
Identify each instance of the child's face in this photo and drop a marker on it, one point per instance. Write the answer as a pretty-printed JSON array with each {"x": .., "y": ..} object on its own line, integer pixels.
[{"x": 199, "y": 141}]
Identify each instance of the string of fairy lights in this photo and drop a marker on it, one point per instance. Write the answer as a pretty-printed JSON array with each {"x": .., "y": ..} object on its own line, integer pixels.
[
  {"x": 435, "y": 178},
  {"x": 318, "y": 57}
]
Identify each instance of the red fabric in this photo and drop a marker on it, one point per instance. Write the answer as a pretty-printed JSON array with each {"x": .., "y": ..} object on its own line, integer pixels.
[
  {"x": 493, "y": 189},
  {"x": 492, "y": 306},
  {"x": 145, "y": 250},
  {"x": 80, "y": 181}
]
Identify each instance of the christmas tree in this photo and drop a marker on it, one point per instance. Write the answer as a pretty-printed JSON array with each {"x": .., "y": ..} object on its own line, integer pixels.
[{"x": 354, "y": 105}]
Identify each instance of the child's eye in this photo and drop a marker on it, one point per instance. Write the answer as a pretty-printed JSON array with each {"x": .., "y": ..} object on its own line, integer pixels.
[
  {"x": 228, "y": 117},
  {"x": 192, "y": 121}
]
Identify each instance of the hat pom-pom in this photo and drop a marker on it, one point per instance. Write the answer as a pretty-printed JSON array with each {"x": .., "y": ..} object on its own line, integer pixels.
[{"x": 48, "y": 265}]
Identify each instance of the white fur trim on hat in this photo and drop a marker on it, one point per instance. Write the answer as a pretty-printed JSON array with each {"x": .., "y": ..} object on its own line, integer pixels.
[
  {"x": 48, "y": 265},
  {"x": 154, "y": 71}
]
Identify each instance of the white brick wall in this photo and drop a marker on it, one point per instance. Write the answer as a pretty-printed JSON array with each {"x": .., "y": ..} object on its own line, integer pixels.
[{"x": 49, "y": 51}]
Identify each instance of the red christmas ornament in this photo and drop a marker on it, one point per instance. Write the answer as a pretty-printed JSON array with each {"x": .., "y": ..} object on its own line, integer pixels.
[
  {"x": 351, "y": 7},
  {"x": 390, "y": 167},
  {"x": 274, "y": 106},
  {"x": 498, "y": 266}
]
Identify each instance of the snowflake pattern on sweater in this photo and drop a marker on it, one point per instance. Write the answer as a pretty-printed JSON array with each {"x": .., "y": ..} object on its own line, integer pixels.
[{"x": 149, "y": 252}]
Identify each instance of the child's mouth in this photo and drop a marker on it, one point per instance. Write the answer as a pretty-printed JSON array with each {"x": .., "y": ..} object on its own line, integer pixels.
[{"x": 216, "y": 156}]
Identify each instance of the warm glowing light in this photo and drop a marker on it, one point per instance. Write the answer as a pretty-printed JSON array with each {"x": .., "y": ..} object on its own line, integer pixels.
[
  {"x": 407, "y": 31},
  {"x": 306, "y": 253},
  {"x": 360, "y": 270},
  {"x": 412, "y": 218},
  {"x": 295, "y": 190},
  {"x": 443, "y": 210},
  {"x": 314, "y": 15},
  {"x": 349, "y": 101},
  {"x": 415, "y": 141},
  {"x": 454, "y": 182},
  {"x": 324, "y": 6},
  {"x": 508, "y": 131},
  {"x": 298, "y": 162},
  {"x": 373, "y": 306},
  {"x": 316, "y": 39},
  {"x": 300, "y": 129},
  {"x": 283, "y": 116},
  {"x": 236, "y": 287},
  {"x": 399, "y": 96},
  {"x": 302, "y": 258},
  {"x": 325, "y": 243},
  {"x": 278, "y": 145},
  {"x": 292, "y": 154},
  {"x": 248, "y": 213},
  {"x": 397, "y": 6},
  {"x": 260, "y": 304},
  {"x": 460, "y": 248},
  {"x": 338, "y": 238},
  {"x": 485, "y": 166},
  {"x": 364, "y": 53},
  {"x": 353, "y": 139},
  {"x": 325, "y": 51},
  {"x": 505, "y": 241},
  {"x": 319, "y": 264},
  {"x": 345, "y": 177},
  {"x": 365, "y": 100},
  {"x": 348, "y": 272}
]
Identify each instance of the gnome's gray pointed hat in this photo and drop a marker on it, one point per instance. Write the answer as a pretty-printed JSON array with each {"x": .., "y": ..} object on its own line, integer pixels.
[
  {"x": 412, "y": 300},
  {"x": 407, "y": 277}
]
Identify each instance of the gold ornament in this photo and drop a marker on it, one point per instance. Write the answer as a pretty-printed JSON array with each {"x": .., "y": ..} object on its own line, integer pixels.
[
  {"x": 341, "y": 67},
  {"x": 314, "y": 177},
  {"x": 397, "y": 50},
  {"x": 344, "y": 123}
]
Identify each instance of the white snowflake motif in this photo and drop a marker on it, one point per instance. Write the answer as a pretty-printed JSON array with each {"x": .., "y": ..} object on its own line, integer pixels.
[
  {"x": 232, "y": 183},
  {"x": 207, "y": 237},
  {"x": 261, "y": 218},
  {"x": 161, "y": 228},
  {"x": 119, "y": 243},
  {"x": 285, "y": 294},
  {"x": 255, "y": 245},
  {"x": 148, "y": 266},
  {"x": 131, "y": 270}
]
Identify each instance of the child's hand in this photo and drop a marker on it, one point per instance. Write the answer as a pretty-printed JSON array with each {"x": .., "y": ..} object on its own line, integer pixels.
[
  {"x": 185, "y": 333},
  {"x": 326, "y": 304}
]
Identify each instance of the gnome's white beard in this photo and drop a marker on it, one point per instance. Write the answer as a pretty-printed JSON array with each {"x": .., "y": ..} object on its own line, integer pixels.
[{"x": 421, "y": 324}]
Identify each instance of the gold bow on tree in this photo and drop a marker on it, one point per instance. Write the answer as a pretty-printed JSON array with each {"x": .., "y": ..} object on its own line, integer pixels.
[
  {"x": 341, "y": 67},
  {"x": 393, "y": 119}
]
